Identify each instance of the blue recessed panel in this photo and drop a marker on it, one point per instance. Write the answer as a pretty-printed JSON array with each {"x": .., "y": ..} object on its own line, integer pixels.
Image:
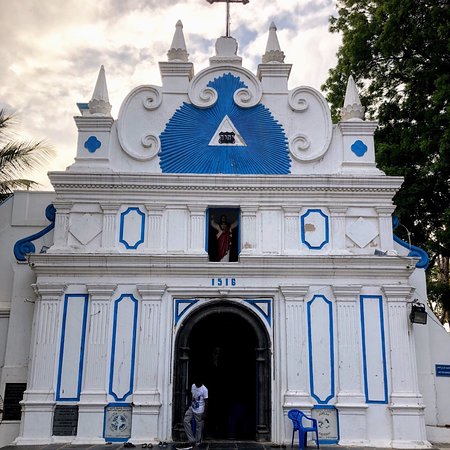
[
  {"x": 373, "y": 348},
  {"x": 263, "y": 307},
  {"x": 121, "y": 377},
  {"x": 71, "y": 352},
  {"x": 92, "y": 144},
  {"x": 314, "y": 229},
  {"x": 132, "y": 228},
  {"x": 185, "y": 142},
  {"x": 321, "y": 348},
  {"x": 181, "y": 307},
  {"x": 359, "y": 148}
]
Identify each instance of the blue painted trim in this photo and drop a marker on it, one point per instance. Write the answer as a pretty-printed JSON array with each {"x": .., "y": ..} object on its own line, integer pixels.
[
  {"x": 177, "y": 303},
  {"x": 302, "y": 229},
  {"x": 92, "y": 144},
  {"x": 104, "y": 422},
  {"x": 256, "y": 303},
  {"x": 330, "y": 441},
  {"x": 359, "y": 148},
  {"x": 113, "y": 349},
  {"x": 239, "y": 232},
  {"x": 185, "y": 140},
  {"x": 383, "y": 348},
  {"x": 122, "y": 219},
  {"x": 59, "y": 397},
  {"x": 25, "y": 246},
  {"x": 414, "y": 252},
  {"x": 311, "y": 364},
  {"x": 207, "y": 231}
]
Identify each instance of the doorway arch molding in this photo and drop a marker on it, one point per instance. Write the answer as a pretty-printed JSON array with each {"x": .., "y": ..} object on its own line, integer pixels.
[
  {"x": 262, "y": 306},
  {"x": 202, "y": 311}
]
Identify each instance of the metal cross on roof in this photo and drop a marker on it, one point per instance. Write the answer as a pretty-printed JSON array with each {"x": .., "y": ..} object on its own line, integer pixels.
[{"x": 228, "y": 10}]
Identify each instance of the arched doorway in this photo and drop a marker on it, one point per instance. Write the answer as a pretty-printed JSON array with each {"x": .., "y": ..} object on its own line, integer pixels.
[{"x": 229, "y": 347}]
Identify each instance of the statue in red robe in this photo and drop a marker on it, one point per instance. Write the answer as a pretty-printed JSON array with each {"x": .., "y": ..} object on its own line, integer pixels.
[{"x": 223, "y": 236}]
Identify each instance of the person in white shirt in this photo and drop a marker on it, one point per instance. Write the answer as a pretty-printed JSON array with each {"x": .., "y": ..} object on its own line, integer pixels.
[{"x": 197, "y": 410}]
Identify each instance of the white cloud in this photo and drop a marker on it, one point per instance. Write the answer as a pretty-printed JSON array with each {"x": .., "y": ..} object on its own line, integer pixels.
[{"x": 51, "y": 51}]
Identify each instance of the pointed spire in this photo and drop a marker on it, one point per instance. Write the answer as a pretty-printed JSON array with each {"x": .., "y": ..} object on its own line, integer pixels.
[
  {"x": 99, "y": 104},
  {"x": 352, "y": 108},
  {"x": 273, "y": 51},
  {"x": 178, "y": 50}
]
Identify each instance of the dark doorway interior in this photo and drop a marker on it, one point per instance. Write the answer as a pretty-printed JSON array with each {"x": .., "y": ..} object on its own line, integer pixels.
[
  {"x": 223, "y": 349},
  {"x": 229, "y": 348}
]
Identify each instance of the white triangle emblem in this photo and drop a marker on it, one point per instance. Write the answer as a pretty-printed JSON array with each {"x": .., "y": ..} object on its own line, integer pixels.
[{"x": 227, "y": 134}]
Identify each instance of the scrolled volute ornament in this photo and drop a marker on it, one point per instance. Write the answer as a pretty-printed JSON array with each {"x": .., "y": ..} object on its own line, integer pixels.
[
  {"x": 297, "y": 100},
  {"x": 299, "y": 147},
  {"x": 152, "y": 145},
  {"x": 244, "y": 98},
  {"x": 153, "y": 98}
]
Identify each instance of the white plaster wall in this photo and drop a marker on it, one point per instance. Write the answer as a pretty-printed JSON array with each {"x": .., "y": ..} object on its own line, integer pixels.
[{"x": 20, "y": 216}]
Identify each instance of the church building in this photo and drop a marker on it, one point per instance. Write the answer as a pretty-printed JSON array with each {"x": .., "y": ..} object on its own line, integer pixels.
[{"x": 222, "y": 227}]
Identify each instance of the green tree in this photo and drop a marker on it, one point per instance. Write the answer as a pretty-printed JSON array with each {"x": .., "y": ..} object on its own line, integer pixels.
[
  {"x": 17, "y": 157},
  {"x": 399, "y": 53}
]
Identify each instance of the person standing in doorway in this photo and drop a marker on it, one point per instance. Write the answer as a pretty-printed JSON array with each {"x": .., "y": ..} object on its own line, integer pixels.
[{"x": 196, "y": 411}]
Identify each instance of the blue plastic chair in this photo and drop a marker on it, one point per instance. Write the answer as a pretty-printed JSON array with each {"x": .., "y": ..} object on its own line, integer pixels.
[{"x": 297, "y": 418}]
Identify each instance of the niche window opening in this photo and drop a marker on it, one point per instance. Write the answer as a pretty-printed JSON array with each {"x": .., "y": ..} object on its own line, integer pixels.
[{"x": 223, "y": 234}]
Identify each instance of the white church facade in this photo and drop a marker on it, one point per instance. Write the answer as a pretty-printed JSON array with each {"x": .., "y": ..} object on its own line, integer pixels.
[{"x": 221, "y": 226}]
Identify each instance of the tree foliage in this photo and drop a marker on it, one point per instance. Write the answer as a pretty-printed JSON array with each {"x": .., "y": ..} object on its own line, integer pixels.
[
  {"x": 16, "y": 157},
  {"x": 399, "y": 53}
]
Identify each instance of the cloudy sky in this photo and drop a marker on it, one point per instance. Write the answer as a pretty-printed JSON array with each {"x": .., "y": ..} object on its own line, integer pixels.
[{"x": 51, "y": 51}]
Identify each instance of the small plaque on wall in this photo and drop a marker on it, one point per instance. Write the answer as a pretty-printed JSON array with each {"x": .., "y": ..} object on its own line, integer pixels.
[
  {"x": 327, "y": 423},
  {"x": 117, "y": 422},
  {"x": 65, "y": 420}
]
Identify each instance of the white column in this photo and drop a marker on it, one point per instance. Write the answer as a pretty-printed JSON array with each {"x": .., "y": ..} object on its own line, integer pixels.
[
  {"x": 39, "y": 398},
  {"x": 93, "y": 397},
  {"x": 155, "y": 240},
  {"x": 291, "y": 237},
  {"x": 338, "y": 229},
  {"x": 407, "y": 409},
  {"x": 297, "y": 390},
  {"x": 109, "y": 237},
  {"x": 197, "y": 230},
  {"x": 61, "y": 231},
  {"x": 147, "y": 397},
  {"x": 385, "y": 227},
  {"x": 248, "y": 230},
  {"x": 350, "y": 397}
]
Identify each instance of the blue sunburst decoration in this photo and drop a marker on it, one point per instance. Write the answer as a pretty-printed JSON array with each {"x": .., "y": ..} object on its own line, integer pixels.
[{"x": 187, "y": 143}]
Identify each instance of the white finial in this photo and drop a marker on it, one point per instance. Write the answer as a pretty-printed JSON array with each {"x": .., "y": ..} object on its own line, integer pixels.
[
  {"x": 273, "y": 51},
  {"x": 178, "y": 50},
  {"x": 99, "y": 104},
  {"x": 352, "y": 108}
]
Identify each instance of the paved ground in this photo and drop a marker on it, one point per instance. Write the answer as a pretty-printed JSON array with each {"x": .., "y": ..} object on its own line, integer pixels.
[{"x": 205, "y": 446}]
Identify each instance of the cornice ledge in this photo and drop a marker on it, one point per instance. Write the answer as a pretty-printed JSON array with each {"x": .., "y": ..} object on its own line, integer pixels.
[{"x": 197, "y": 182}]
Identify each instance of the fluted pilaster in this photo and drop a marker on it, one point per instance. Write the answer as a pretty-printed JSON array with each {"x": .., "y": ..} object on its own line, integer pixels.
[
  {"x": 296, "y": 347},
  {"x": 249, "y": 241},
  {"x": 97, "y": 339},
  {"x": 155, "y": 227},
  {"x": 109, "y": 225},
  {"x": 385, "y": 227},
  {"x": 291, "y": 241},
  {"x": 338, "y": 229},
  {"x": 61, "y": 232},
  {"x": 197, "y": 229}
]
